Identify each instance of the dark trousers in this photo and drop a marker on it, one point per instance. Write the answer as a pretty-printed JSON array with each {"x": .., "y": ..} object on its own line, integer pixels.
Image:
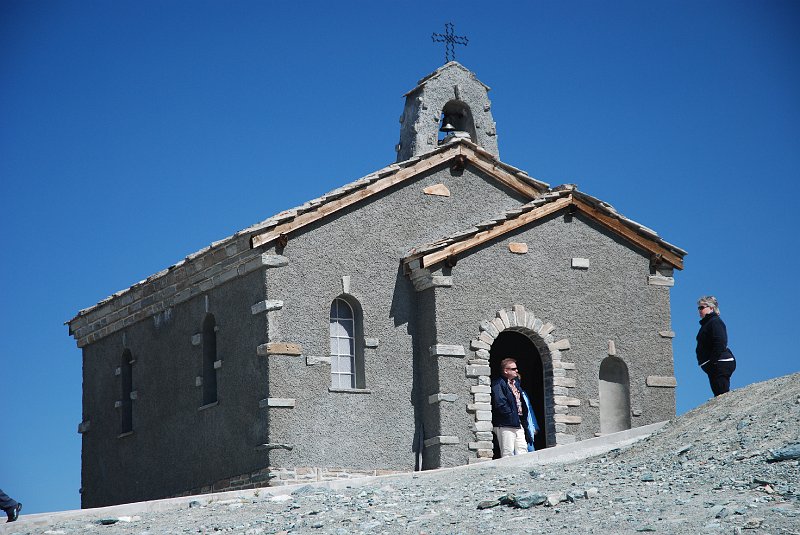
[
  {"x": 719, "y": 376},
  {"x": 6, "y": 502}
]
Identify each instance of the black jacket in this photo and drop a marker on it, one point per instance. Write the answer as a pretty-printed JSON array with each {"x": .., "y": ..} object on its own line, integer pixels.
[
  {"x": 504, "y": 404},
  {"x": 712, "y": 340}
]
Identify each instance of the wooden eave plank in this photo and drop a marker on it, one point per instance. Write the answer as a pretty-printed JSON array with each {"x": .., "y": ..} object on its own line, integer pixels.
[
  {"x": 352, "y": 198},
  {"x": 492, "y": 233},
  {"x": 501, "y": 175},
  {"x": 620, "y": 228}
]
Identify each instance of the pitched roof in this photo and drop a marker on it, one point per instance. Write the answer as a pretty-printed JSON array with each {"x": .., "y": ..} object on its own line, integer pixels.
[
  {"x": 315, "y": 209},
  {"x": 459, "y": 152},
  {"x": 562, "y": 197}
]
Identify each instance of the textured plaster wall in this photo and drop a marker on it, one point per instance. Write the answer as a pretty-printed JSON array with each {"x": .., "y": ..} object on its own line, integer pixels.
[
  {"x": 175, "y": 446},
  {"x": 365, "y": 243},
  {"x": 609, "y": 301}
]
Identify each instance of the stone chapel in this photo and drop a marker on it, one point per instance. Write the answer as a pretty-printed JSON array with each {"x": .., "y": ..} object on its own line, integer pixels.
[{"x": 357, "y": 334}]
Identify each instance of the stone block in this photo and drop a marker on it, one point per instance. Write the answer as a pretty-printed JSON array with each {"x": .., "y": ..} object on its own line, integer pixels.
[
  {"x": 480, "y": 445},
  {"x": 561, "y": 428},
  {"x": 661, "y": 381},
  {"x": 371, "y": 342},
  {"x": 346, "y": 284},
  {"x": 445, "y": 350},
  {"x": 486, "y": 337},
  {"x": 567, "y": 401},
  {"x": 198, "y": 381},
  {"x": 558, "y": 372},
  {"x": 484, "y": 380},
  {"x": 567, "y": 419},
  {"x": 441, "y": 440},
  {"x": 279, "y": 348},
  {"x": 594, "y": 402},
  {"x": 560, "y": 409},
  {"x": 518, "y": 247},
  {"x": 666, "y": 334},
  {"x": 482, "y": 398},
  {"x": 567, "y": 365},
  {"x": 580, "y": 263},
  {"x": 478, "y": 362},
  {"x": 483, "y": 425},
  {"x": 83, "y": 427},
  {"x": 436, "y": 398},
  {"x": 546, "y": 329},
  {"x": 265, "y": 306},
  {"x": 475, "y": 371},
  {"x": 503, "y": 315},
  {"x": 561, "y": 345},
  {"x": 490, "y": 328},
  {"x": 479, "y": 344},
  {"x": 277, "y": 402},
  {"x": 567, "y": 382},
  {"x": 217, "y": 364},
  {"x": 498, "y": 324},
  {"x": 480, "y": 389},
  {"x": 561, "y": 391},
  {"x": 312, "y": 360},
  {"x": 612, "y": 348},
  {"x": 273, "y": 260},
  {"x": 660, "y": 280},
  {"x": 197, "y": 339},
  {"x": 484, "y": 435},
  {"x": 485, "y": 416},
  {"x": 482, "y": 354},
  {"x": 134, "y": 395},
  {"x": 479, "y": 407},
  {"x": 439, "y": 190}
]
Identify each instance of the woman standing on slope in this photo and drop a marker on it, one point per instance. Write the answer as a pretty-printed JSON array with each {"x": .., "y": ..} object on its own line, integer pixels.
[{"x": 713, "y": 354}]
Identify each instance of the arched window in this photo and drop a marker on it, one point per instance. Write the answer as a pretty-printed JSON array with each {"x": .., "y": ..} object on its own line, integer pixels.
[
  {"x": 126, "y": 388},
  {"x": 209, "y": 358},
  {"x": 346, "y": 344},
  {"x": 615, "y": 397}
]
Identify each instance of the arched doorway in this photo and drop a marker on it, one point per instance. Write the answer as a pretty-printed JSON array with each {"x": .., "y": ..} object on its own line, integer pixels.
[
  {"x": 615, "y": 398},
  {"x": 512, "y": 344}
]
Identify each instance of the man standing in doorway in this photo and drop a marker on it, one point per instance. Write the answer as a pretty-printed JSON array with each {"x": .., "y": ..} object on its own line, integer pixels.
[{"x": 508, "y": 410}]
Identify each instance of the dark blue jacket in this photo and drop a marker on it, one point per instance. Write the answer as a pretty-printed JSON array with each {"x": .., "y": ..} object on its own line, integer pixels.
[
  {"x": 504, "y": 404},
  {"x": 712, "y": 340}
]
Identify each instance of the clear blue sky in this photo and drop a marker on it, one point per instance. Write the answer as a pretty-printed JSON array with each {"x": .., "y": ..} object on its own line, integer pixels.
[{"x": 133, "y": 133}]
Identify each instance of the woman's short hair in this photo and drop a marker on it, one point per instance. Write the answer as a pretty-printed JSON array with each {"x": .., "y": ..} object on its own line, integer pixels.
[{"x": 709, "y": 300}]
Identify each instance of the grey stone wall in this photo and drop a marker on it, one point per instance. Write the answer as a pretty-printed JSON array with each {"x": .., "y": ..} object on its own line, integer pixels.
[
  {"x": 611, "y": 300},
  {"x": 172, "y": 436},
  {"x": 363, "y": 244}
]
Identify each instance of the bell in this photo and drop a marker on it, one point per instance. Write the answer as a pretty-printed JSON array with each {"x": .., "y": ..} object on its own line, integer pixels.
[{"x": 446, "y": 126}]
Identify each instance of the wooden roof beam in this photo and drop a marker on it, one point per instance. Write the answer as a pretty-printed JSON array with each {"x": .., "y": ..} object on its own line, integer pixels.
[{"x": 631, "y": 235}]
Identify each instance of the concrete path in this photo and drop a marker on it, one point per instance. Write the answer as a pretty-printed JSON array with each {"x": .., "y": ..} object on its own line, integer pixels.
[{"x": 565, "y": 453}]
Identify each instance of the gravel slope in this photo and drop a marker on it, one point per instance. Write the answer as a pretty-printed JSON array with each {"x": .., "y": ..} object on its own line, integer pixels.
[{"x": 713, "y": 470}]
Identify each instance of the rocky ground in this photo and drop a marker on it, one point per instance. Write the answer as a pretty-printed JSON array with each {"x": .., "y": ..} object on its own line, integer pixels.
[{"x": 729, "y": 466}]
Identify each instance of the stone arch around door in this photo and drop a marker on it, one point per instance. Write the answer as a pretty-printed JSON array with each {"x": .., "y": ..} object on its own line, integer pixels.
[{"x": 559, "y": 378}]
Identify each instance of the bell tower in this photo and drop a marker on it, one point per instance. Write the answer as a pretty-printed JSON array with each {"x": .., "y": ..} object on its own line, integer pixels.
[{"x": 450, "y": 103}]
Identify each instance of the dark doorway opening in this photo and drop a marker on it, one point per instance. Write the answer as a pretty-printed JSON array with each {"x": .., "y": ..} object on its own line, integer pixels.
[{"x": 511, "y": 344}]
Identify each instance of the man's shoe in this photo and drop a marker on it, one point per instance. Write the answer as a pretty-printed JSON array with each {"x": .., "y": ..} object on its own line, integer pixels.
[{"x": 13, "y": 513}]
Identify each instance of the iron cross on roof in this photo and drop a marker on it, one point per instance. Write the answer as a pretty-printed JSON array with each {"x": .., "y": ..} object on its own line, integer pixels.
[{"x": 451, "y": 40}]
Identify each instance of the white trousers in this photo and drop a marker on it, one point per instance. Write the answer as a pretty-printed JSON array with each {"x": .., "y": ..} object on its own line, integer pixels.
[{"x": 511, "y": 441}]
